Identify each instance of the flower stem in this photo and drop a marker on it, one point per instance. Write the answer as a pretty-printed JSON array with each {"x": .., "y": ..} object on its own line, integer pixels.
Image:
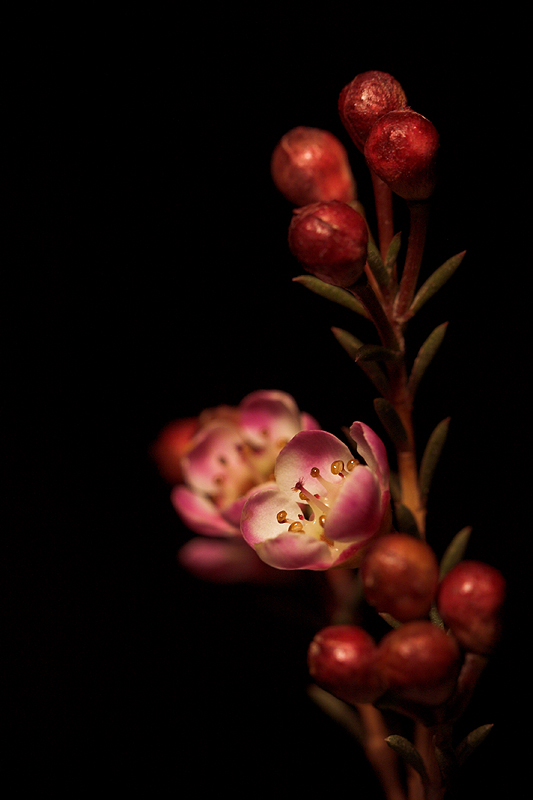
[
  {"x": 419, "y": 213},
  {"x": 381, "y": 757},
  {"x": 383, "y": 203}
]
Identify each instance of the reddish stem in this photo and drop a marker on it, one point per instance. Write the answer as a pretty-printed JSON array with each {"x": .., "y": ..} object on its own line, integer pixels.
[
  {"x": 419, "y": 213},
  {"x": 383, "y": 203}
]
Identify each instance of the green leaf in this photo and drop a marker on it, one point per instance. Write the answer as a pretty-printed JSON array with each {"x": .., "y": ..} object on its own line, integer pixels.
[
  {"x": 334, "y": 293},
  {"x": 425, "y": 356},
  {"x": 455, "y": 551},
  {"x": 372, "y": 370},
  {"x": 375, "y": 352},
  {"x": 379, "y": 271},
  {"x": 391, "y": 422},
  {"x": 408, "y": 753},
  {"x": 394, "y": 249},
  {"x": 431, "y": 456},
  {"x": 472, "y": 741},
  {"x": 405, "y": 520},
  {"x": 435, "y": 282}
]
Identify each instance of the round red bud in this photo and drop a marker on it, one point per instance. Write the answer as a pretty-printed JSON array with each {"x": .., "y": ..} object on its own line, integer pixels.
[
  {"x": 400, "y": 575},
  {"x": 309, "y": 165},
  {"x": 341, "y": 659},
  {"x": 419, "y": 662},
  {"x": 171, "y": 445},
  {"x": 470, "y": 600},
  {"x": 330, "y": 240},
  {"x": 365, "y": 99},
  {"x": 401, "y": 149}
]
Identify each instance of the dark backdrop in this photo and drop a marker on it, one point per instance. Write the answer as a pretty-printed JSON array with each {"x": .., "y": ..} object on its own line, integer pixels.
[{"x": 150, "y": 278}]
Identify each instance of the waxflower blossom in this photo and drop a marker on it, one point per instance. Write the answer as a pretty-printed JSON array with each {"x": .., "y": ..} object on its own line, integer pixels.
[
  {"x": 331, "y": 241},
  {"x": 324, "y": 506},
  {"x": 309, "y": 165},
  {"x": 232, "y": 452}
]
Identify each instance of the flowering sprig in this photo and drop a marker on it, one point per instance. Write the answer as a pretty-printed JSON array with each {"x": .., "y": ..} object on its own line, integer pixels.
[{"x": 269, "y": 492}]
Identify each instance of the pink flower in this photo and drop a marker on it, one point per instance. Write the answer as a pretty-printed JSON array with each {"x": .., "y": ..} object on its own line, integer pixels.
[
  {"x": 232, "y": 453},
  {"x": 324, "y": 506}
]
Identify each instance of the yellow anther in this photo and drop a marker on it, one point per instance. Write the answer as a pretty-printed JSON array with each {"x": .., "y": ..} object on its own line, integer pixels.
[
  {"x": 296, "y": 526},
  {"x": 322, "y": 520},
  {"x": 303, "y": 497},
  {"x": 281, "y": 516},
  {"x": 337, "y": 466},
  {"x": 352, "y": 463},
  {"x": 315, "y": 472}
]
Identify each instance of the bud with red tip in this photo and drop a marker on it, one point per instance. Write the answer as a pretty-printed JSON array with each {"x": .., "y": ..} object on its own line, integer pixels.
[
  {"x": 309, "y": 165},
  {"x": 400, "y": 575},
  {"x": 331, "y": 241},
  {"x": 341, "y": 659},
  {"x": 419, "y": 662},
  {"x": 470, "y": 601},
  {"x": 401, "y": 149},
  {"x": 365, "y": 99}
]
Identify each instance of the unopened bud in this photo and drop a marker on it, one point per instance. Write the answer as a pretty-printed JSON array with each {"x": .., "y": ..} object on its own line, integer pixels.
[
  {"x": 310, "y": 165},
  {"x": 171, "y": 445},
  {"x": 330, "y": 240},
  {"x": 400, "y": 575},
  {"x": 419, "y": 662},
  {"x": 401, "y": 149},
  {"x": 341, "y": 659},
  {"x": 470, "y": 601},
  {"x": 365, "y": 99}
]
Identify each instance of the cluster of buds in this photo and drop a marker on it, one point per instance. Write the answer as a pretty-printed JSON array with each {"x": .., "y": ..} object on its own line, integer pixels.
[{"x": 436, "y": 623}]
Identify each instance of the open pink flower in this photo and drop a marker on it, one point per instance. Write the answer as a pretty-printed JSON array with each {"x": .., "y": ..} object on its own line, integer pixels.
[
  {"x": 324, "y": 506},
  {"x": 232, "y": 453}
]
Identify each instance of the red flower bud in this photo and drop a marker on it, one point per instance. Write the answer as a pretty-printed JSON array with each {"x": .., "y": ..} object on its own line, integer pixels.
[
  {"x": 330, "y": 239},
  {"x": 310, "y": 165},
  {"x": 420, "y": 662},
  {"x": 341, "y": 659},
  {"x": 470, "y": 601},
  {"x": 400, "y": 576},
  {"x": 365, "y": 99},
  {"x": 401, "y": 149},
  {"x": 171, "y": 445}
]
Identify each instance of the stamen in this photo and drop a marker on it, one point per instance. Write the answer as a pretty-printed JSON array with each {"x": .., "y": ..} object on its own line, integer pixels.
[
  {"x": 281, "y": 516},
  {"x": 322, "y": 520},
  {"x": 315, "y": 472},
  {"x": 296, "y": 527},
  {"x": 337, "y": 467},
  {"x": 352, "y": 464}
]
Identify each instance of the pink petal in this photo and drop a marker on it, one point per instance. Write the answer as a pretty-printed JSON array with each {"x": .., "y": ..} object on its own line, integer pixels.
[
  {"x": 271, "y": 415},
  {"x": 306, "y": 450},
  {"x": 200, "y": 514},
  {"x": 215, "y": 455},
  {"x": 372, "y": 449},
  {"x": 357, "y": 512},
  {"x": 259, "y": 516},
  {"x": 308, "y": 422},
  {"x": 295, "y": 551}
]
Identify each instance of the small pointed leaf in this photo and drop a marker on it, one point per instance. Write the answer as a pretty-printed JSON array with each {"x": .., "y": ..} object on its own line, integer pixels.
[
  {"x": 380, "y": 273},
  {"x": 425, "y": 356},
  {"x": 472, "y": 741},
  {"x": 372, "y": 370},
  {"x": 334, "y": 293},
  {"x": 431, "y": 455},
  {"x": 394, "y": 249},
  {"x": 455, "y": 551},
  {"x": 408, "y": 753},
  {"x": 435, "y": 282},
  {"x": 375, "y": 352},
  {"x": 391, "y": 422}
]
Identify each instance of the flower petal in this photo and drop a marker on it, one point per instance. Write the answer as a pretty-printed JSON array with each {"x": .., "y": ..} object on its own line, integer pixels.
[
  {"x": 357, "y": 512},
  {"x": 306, "y": 450},
  {"x": 271, "y": 415},
  {"x": 295, "y": 551},
  {"x": 259, "y": 516},
  {"x": 200, "y": 514},
  {"x": 223, "y": 561},
  {"x": 372, "y": 449}
]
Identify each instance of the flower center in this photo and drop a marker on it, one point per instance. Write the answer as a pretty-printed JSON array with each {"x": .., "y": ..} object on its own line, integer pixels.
[{"x": 314, "y": 515}]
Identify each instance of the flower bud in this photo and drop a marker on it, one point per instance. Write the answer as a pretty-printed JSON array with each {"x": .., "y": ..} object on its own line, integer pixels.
[
  {"x": 330, "y": 240},
  {"x": 341, "y": 659},
  {"x": 470, "y": 600},
  {"x": 419, "y": 662},
  {"x": 400, "y": 575},
  {"x": 401, "y": 149},
  {"x": 171, "y": 445},
  {"x": 365, "y": 99},
  {"x": 310, "y": 165}
]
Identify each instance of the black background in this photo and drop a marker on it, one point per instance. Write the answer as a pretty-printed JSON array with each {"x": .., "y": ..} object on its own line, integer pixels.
[{"x": 150, "y": 278}]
